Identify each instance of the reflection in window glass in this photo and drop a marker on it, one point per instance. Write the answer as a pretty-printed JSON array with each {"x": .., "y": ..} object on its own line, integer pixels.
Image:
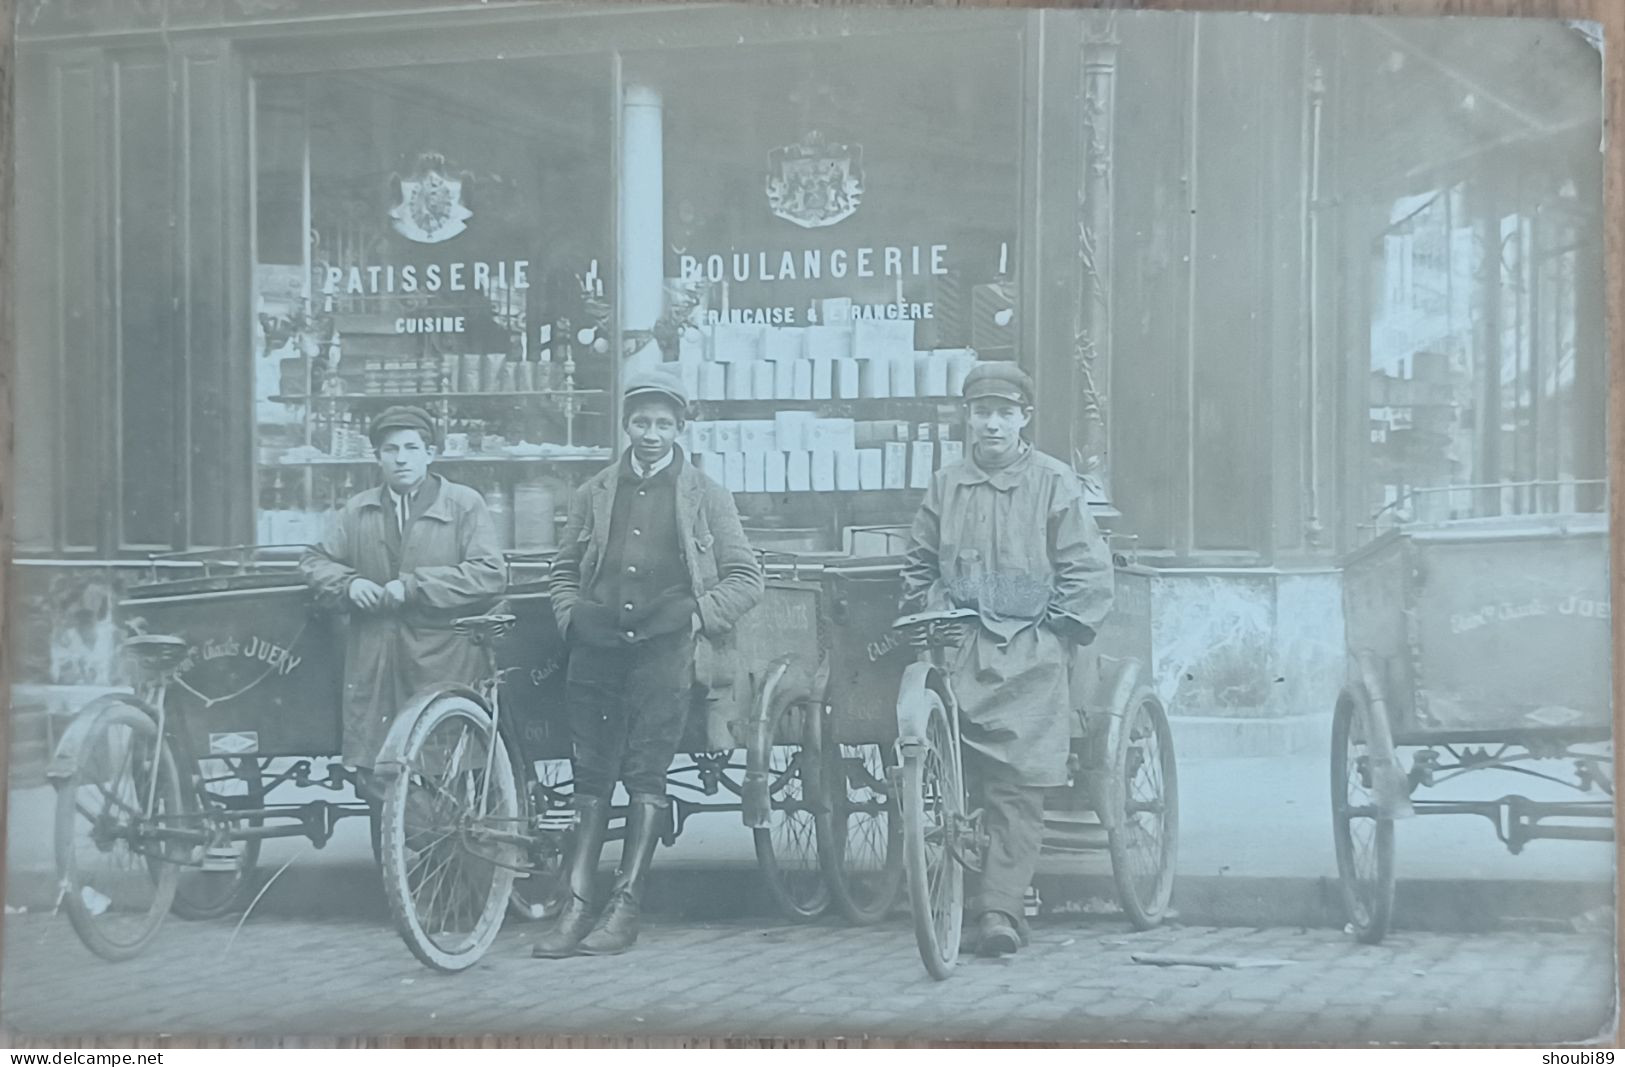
[
  {"x": 1473, "y": 355},
  {"x": 438, "y": 237}
]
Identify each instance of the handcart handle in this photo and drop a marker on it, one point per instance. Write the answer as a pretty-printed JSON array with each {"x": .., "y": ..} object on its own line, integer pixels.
[
  {"x": 483, "y": 629},
  {"x": 937, "y": 629}
]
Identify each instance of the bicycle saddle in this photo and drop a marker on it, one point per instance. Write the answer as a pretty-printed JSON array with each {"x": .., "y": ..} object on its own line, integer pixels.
[
  {"x": 482, "y": 628},
  {"x": 156, "y": 650},
  {"x": 925, "y": 618}
]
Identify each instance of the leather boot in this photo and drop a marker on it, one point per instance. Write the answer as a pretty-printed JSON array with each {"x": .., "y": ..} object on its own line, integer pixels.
[
  {"x": 617, "y": 928},
  {"x": 592, "y": 819}
]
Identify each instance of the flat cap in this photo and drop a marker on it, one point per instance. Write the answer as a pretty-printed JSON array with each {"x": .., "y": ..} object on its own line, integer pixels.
[
  {"x": 1000, "y": 378},
  {"x": 402, "y": 417},
  {"x": 661, "y": 379}
]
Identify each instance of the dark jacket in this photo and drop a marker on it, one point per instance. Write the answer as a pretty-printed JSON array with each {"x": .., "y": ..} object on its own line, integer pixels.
[{"x": 723, "y": 572}]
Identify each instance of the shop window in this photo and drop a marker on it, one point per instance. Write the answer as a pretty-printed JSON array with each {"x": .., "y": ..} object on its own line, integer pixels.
[
  {"x": 840, "y": 225},
  {"x": 1475, "y": 399},
  {"x": 441, "y": 237}
]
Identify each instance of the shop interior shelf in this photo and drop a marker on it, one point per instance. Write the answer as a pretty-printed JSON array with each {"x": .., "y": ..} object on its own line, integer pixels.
[
  {"x": 399, "y": 398},
  {"x": 598, "y": 456},
  {"x": 879, "y": 406}
]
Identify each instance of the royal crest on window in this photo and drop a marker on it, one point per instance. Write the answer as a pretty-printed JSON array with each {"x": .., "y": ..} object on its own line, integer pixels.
[
  {"x": 429, "y": 205},
  {"x": 814, "y": 183}
]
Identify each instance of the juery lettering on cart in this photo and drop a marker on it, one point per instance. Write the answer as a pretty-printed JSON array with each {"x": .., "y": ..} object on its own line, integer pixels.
[{"x": 1572, "y": 605}]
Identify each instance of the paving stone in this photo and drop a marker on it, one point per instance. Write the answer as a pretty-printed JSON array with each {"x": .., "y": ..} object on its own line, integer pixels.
[{"x": 283, "y": 977}]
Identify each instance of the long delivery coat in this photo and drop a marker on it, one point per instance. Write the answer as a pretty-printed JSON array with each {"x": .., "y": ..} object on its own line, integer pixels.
[
  {"x": 451, "y": 564},
  {"x": 1019, "y": 546}
]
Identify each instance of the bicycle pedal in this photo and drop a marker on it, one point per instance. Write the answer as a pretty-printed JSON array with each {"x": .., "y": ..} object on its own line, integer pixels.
[
  {"x": 220, "y": 860},
  {"x": 556, "y": 821}
]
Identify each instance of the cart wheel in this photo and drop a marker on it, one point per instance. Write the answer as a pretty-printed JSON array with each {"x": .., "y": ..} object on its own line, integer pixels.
[
  {"x": 933, "y": 807},
  {"x": 224, "y": 882},
  {"x": 538, "y": 891},
  {"x": 1365, "y": 840},
  {"x": 117, "y": 879},
  {"x": 447, "y": 868},
  {"x": 859, "y": 842},
  {"x": 787, "y": 851},
  {"x": 1142, "y": 834}
]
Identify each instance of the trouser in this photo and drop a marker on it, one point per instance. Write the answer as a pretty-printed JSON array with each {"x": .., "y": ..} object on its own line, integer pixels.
[
  {"x": 1013, "y": 818},
  {"x": 627, "y": 707}
]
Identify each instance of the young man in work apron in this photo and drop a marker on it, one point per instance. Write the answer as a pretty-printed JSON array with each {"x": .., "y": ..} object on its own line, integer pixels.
[
  {"x": 1006, "y": 531},
  {"x": 652, "y": 561},
  {"x": 406, "y": 560}
]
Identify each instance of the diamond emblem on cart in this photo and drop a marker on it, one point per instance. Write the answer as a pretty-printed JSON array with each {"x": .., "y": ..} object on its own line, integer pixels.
[
  {"x": 234, "y": 743},
  {"x": 814, "y": 183},
  {"x": 429, "y": 207},
  {"x": 1554, "y": 715}
]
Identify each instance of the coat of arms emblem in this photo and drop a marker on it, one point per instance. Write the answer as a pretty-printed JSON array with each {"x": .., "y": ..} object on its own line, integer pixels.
[
  {"x": 814, "y": 183},
  {"x": 429, "y": 207}
]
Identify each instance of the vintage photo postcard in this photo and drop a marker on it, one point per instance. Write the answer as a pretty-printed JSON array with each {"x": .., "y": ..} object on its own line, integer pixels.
[{"x": 790, "y": 522}]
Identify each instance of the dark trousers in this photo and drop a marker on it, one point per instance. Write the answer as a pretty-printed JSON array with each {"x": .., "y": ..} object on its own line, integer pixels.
[
  {"x": 1013, "y": 816},
  {"x": 627, "y": 708}
]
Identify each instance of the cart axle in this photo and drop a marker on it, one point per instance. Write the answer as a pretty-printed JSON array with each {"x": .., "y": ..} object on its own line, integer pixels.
[{"x": 1518, "y": 819}]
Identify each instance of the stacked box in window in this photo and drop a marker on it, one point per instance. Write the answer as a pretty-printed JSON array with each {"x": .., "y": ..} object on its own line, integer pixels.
[
  {"x": 947, "y": 327},
  {"x": 987, "y": 335}
]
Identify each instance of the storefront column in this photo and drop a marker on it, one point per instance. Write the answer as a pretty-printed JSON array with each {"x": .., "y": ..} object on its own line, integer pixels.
[
  {"x": 642, "y": 225},
  {"x": 1094, "y": 325}
]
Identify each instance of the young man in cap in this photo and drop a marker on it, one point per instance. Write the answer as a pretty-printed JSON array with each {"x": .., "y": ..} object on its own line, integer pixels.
[
  {"x": 1006, "y": 531},
  {"x": 405, "y": 559},
  {"x": 653, "y": 559}
]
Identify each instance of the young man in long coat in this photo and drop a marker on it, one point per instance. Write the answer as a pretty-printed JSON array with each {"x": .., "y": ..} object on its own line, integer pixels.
[
  {"x": 1006, "y": 531},
  {"x": 653, "y": 559},
  {"x": 405, "y": 560}
]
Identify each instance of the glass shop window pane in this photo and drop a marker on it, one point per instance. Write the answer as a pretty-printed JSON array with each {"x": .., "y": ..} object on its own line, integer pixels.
[{"x": 439, "y": 237}]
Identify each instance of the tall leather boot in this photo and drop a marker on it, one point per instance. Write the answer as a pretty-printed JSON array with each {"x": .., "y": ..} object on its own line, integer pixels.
[
  {"x": 592, "y": 820},
  {"x": 617, "y": 928}
]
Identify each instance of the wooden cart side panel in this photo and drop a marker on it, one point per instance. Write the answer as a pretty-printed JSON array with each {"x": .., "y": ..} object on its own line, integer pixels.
[
  {"x": 1512, "y": 634},
  {"x": 1377, "y": 620},
  {"x": 866, "y": 660},
  {"x": 263, "y": 674},
  {"x": 533, "y": 661}
]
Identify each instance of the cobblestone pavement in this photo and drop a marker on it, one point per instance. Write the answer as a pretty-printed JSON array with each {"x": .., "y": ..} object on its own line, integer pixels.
[{"x": 1076, "y": 983}]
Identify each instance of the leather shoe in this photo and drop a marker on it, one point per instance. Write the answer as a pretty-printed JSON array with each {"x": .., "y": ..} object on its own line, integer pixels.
[
  {"x": 575, "y": 921},
  {"x": 996, "y": 935},
  {"x": 617, "y": 927}
]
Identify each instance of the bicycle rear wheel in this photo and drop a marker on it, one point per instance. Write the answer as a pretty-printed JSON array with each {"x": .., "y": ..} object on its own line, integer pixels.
[
  {"x": 446, "y": 834},
  {"x": 117, "y": 874},
  {"x": 223, "y": 879},
  {"x": 933, "y": 814}
]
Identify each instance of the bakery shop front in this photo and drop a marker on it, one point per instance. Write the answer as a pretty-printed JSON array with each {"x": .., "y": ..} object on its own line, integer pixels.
[{"x": 250, "y": 226}]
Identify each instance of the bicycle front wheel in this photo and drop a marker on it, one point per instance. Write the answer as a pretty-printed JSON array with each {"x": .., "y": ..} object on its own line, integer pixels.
[
  {"x": 447, "y": 834},
  {"x": 933, "y": 814},
  {"x": 117, "y": 872}
]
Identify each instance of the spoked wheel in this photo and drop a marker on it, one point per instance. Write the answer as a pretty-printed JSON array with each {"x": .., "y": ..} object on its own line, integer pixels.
[
  {"x": 117, "y": 876},
  {"x": 1143, "y": 828},
  {"x": 449, "y": 834},
  {"x": 787, "y": 851},
  {"x": 859, "y": 839},
  {"x": 1365, "y": 840},
  {"x": 223, "y": 877},
  {"x": 538, "y": 891},
  {"x": 933, "y": 807}
]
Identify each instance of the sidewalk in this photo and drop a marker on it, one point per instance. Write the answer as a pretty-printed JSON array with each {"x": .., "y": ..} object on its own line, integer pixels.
[
  {"x": 1255, "y": 849},
  {"x": 1078, "y": 982}
]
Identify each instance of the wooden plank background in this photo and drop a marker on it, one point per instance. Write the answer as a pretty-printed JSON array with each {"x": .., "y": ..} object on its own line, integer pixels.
[{"x": 1609, "y": 13}]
